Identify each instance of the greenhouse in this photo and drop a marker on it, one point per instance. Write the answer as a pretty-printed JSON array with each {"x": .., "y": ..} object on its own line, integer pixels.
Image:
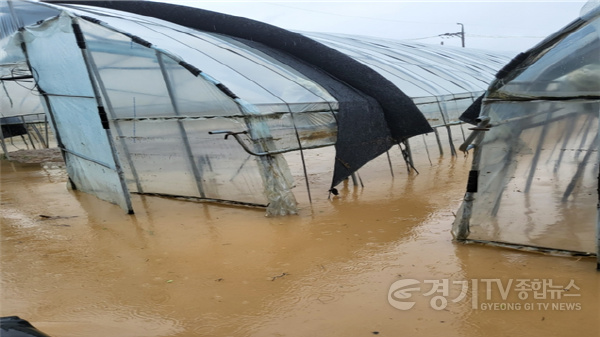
[
  {"x": 160, "y": 99},
  {"x": 534, "y": 179}
]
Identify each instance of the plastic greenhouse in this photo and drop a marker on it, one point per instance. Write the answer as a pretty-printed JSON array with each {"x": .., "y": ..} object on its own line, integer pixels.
[
  {"x": 534, "y": 180},
  {"x": 154, "y": 98}
]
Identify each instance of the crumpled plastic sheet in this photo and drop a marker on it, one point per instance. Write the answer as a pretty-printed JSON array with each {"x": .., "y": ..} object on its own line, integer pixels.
[{"x": 275, "y": 172}]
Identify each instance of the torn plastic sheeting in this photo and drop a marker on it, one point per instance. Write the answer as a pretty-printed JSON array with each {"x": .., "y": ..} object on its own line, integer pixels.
[
  {"x": 63, "y": 73},
  {"x": 25, "y": 15},
  {"x": 531, "y": 159},
  {"x": 277, "y": 178}
]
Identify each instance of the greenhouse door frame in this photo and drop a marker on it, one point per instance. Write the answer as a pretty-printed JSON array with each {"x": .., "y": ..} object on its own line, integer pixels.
[
  {"x": 461, "y": 230},
  {"x": 86, "y": 154}
]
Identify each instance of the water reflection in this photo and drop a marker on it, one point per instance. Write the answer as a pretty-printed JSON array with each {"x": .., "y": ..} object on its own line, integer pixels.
[{"x": 188, "y": 269}]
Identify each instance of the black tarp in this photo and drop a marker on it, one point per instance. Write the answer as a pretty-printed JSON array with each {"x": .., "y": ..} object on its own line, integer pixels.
[
  {"x": 472, "y": 111},
  {"x": 355, "y": 109}
]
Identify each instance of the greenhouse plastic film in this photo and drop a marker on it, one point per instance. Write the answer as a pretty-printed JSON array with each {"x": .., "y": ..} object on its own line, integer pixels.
[
  {"x": 166, "y": 86},
  {"x": 235, "y": 68},
  {"x": 16, "y": 100},
  {"x": 570, "y": 68},
  {"x": 538, "y": 175},
  {"x": 74, "y": 110},
  {"x": 277, "y": 178},
  {"x": 155, "y": 127},
  {"x": 130, "y": 73},
  {"x": 183, "y": 110},
  {"x": 26, "y": 13}
]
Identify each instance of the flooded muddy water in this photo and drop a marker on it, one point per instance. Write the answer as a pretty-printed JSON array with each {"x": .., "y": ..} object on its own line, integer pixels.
[{"x": 74, "y": 265}]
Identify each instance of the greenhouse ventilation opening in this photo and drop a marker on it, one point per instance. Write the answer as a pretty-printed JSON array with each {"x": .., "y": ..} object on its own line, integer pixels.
[
  {"x": 154, "y": 98},
  {"x": 534, "y": 183}
]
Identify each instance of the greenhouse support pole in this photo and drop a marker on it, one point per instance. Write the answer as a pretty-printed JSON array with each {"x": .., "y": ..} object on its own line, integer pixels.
[
  {"x": 27, "y": 131},
  {"x": 439, "y": 142},
  {"x": 360, "y": 180},
  {"x": 301, "y": 156},
  {"x": 462, "y": 230},
  {"x": 588, "y": 126},
  {"x": 46, "y": 127},
  {"x": 427, "y": 150},
  {"x": 580, "y": 171},
  {"x": 508, "y": 161},
  {"x": 3, "y": 145},
  {"x": 410, "y": 156},
  {"x": 407, "y": 155},
  {"x": 598, "y": 228},
  {"x": 113, "y": 150},
  {"x": 598, "y": 212},
  {"x": 538, "y": 151},
  {"x": 354, "y": 179},
  {"x": 390, "y": 162},
  {"x": 111, "y": 111},
  {"x": 184, "y": 137},
  {"x": 39, "y": 135},
  {"x": 442, "y": 111}
]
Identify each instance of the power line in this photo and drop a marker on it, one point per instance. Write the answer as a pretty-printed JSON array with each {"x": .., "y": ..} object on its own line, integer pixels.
[
  {"x": 506, "y": 37},
  {"x": 460, "y": 34},
  {"x": 478, "y": 36},
  {"x": 399, "y": 21},
  {"x": 420, "y": 38},
  {"x": 357, "y": 17}
]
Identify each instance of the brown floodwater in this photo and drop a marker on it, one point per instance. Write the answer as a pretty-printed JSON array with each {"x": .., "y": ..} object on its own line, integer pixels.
[{"x": 179, "y": 268}]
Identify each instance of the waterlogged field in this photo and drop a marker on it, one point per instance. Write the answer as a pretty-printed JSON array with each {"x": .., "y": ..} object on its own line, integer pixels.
[{"x": 373, "y": 260}]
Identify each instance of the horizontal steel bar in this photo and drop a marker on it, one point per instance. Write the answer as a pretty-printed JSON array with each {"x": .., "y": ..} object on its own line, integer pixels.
[
  {"x": 447, "y": 124},
  {"x": 169, "y": 118},
  {"x": 16, "y": 78},
  {"x": 529, "y": 248},
  {"x": 72, "y": 96},
  {"x": 198, "y": 199},
  {"x": 32, "y": 114},
  {"x": 84, "y": 157},
  {"x": 260, "y": 154}
]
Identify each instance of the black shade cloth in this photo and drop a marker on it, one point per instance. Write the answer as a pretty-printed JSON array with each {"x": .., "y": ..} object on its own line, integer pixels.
[
  {"x": 472, "y": 111},
  {"x": 363, "y": 133}
]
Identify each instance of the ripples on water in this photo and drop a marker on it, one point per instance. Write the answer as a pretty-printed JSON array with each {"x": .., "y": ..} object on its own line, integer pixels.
[{"x": 108, "y": 274}]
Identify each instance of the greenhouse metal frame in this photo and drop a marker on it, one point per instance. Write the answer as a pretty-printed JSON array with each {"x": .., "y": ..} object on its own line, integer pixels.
[
  {"x": 534, "y": 183},
  {"x": 141, "y": 96}
]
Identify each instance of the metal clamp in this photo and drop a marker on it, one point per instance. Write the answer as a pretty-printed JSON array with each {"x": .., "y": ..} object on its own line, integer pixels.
[
  {"x": 260, "y": 154},
  {"x": 241, "y": 142},
  {"x": 483, "y": 124},
  {"x": 227, "y": 133}
]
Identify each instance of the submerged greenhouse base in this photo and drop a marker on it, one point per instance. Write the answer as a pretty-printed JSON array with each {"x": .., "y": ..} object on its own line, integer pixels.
[
  {"x": 186, "y": 269},
  {"x": 139, "y": 104}
]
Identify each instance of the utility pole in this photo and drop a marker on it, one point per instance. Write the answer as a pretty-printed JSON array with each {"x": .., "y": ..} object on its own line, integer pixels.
[{"x": 460, "y": 34}]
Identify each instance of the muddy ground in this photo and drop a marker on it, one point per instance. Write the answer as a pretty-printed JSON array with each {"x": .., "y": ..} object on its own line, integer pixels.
[
  {"x": 37, "y": 156},
  {"x": 77, "y": 266}
]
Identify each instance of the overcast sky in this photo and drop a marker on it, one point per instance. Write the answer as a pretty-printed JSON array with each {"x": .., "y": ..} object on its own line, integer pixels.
[{"x": 500, "y": 25}]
